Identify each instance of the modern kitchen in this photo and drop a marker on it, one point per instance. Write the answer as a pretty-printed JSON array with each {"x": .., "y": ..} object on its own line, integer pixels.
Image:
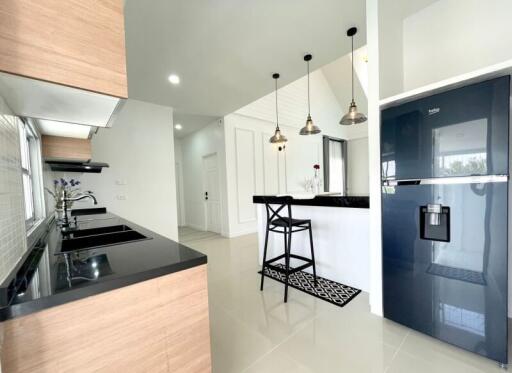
[{"x": 254, "y": 187}]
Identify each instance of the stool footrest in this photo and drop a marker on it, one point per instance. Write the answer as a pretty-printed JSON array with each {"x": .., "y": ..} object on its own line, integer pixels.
[
  {"x": 294, "y": 256},
  {"x": 309, "y": 263},
  {"x": 300, "y": 268},
  {"x": 274, "y": 259},
  {"x": 292, "y": 270}
]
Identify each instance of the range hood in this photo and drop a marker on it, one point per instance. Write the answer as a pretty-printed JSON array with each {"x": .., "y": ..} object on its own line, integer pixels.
[
  {"x": 37, "y": 99},
  {"x": 76, "y": 166}
]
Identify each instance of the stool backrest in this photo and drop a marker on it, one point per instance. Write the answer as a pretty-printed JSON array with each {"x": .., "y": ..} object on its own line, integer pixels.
[{"x": 275, "y": 206}]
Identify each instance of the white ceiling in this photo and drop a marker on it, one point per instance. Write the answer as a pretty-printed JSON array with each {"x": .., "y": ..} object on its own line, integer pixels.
[
  {"x": 226, "y": 50},
  {"x": 191, "y": 123}
]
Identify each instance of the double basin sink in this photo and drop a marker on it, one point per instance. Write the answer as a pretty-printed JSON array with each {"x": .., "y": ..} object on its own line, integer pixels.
[{"x": 89, "y": 238}]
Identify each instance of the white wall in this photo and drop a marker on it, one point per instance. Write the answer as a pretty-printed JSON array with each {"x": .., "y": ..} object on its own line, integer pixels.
[
  {"x": 357, "y": 167},
  {"x": 372, "y": 37},
  {"x": 194, "y": 147},
  {"x": 451, "y": 37},
  {"x": 391, "y": 47},
  {"x": 139, "y": 185},
  {"x": 180, "y": 193}
]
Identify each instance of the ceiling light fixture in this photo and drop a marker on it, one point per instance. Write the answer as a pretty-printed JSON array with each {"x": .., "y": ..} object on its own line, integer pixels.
[
  {"x": 174, "y": 79},
  {"x": 278, "y": 139},
  {"x": 178, "y": 126},
  {"x": 309, "y": 128},
  {"x": 353, "y": 116}
]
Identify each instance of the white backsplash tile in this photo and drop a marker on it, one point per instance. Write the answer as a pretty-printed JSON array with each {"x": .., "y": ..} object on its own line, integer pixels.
[{"x": 13, "y": 243}]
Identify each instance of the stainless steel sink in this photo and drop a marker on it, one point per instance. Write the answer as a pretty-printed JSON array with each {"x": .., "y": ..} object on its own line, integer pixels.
[
  {"x": 96, "y": 231},
  {"x": 98, "y": 237},
  {"x": 89, "y": 211}
]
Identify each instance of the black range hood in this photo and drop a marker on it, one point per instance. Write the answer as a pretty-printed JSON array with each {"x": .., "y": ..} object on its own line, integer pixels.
[{"x": 76, "y": 166}]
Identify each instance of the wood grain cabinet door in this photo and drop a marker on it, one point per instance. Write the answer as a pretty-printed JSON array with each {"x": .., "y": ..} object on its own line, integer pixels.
[{"x": 75, "y": 43}]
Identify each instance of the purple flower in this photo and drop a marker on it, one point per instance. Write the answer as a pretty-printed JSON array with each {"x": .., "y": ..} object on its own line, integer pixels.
[
  {"x": 77, "y": 182},
  {"x": 55, "y": 182},
  {"x": 62, "y": 181}
]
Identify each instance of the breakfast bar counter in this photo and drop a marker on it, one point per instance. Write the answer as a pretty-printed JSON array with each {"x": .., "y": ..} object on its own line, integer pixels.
[{"x": 340, "y": 235}]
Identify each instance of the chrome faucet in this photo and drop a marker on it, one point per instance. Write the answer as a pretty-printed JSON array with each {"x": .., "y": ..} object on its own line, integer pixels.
[
  {"x": 87, "y": 194},
  {"x": 67, "y": 199}
]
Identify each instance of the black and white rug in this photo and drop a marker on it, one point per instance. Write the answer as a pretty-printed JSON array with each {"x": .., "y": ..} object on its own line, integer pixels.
[{"x": 330, "y": 291}]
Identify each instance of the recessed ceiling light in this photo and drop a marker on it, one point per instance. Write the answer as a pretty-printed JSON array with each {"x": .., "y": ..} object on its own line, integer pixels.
[
  {"x": 178, "y": 126},
  {"x": 174, "y": 79}
]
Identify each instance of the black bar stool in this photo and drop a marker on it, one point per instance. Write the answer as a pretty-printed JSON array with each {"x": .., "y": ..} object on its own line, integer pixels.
[{"x": 285, "y": 225}]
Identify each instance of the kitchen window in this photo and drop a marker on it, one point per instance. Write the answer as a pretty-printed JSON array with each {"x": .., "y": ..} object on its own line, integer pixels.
[{"x": 31, "y": 173}]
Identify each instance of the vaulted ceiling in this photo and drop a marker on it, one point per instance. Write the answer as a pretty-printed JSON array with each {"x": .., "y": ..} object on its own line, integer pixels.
[{"x": 225, "y": 51}]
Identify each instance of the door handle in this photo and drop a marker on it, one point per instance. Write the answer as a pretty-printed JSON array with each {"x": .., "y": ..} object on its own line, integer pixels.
[{"x": 206, "y": 196}]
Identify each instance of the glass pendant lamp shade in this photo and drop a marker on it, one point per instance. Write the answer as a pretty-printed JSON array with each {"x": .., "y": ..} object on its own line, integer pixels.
[
  {"x": 278, "y": 138},
  {"x": 353, "y": 116},
  {"x": 309, "y": 128}
]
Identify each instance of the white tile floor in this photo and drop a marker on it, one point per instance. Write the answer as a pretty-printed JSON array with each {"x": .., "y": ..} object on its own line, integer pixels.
[{"x": 256, "y": 332}]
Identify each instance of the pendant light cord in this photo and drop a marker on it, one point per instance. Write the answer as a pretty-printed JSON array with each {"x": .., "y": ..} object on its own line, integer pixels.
[
  {"x": 277, "y": 111},
  {"x": 352, "y": 67},
  {"x": 309, "y": 105}
]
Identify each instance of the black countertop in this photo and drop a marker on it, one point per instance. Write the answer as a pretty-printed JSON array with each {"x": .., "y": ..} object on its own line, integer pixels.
[
  {"x": 330, "y": 200},
  {"x": 49, "y": 278}
]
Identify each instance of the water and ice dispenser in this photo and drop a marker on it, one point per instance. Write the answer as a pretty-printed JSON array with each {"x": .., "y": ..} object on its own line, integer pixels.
[{"x": 435, "y": 222}]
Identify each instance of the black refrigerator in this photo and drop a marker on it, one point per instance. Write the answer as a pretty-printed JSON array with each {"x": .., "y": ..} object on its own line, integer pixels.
[{"x": 444, "y": 163}]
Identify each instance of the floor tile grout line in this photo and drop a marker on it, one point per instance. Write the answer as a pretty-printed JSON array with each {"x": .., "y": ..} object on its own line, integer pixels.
[{"x": 397, "y": 351}]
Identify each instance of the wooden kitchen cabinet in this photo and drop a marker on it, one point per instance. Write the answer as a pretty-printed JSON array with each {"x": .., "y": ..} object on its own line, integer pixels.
[
  {"x": 158, "y": 325},
  {"x": 74, "y": 43},
  {"x": 56, "y": 147}
]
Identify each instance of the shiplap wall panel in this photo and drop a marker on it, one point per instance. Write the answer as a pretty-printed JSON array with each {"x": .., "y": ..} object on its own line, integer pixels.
[
  {"x": 13, "y": 242},
  {"x": 245, "y": 174}
]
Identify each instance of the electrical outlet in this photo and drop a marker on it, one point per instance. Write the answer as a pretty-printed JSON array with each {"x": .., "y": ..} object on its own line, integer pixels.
[
  {"x": 121, "y": 182},
  {"x": 121, "y": 197}
]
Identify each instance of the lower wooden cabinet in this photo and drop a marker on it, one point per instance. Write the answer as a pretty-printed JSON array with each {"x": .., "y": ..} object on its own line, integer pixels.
[{"x": 159, "y": 325}]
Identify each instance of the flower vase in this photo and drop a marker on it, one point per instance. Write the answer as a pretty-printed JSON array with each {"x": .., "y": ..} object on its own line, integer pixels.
[{"x": 316, "y": 183}]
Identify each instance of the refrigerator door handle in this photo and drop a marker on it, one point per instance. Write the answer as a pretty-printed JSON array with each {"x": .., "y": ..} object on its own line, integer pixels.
[{"x": 449, "y": 180}]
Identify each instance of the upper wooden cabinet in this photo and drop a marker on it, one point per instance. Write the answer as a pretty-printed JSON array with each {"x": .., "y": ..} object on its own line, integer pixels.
[
  {"x": 75, "y": 43},
  {"x": 56, "y": 147}
]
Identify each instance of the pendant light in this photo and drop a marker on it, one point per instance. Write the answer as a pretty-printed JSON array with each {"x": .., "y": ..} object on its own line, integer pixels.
[
  {"x": 309, "y": 128},
  {"x": 278, "y": 139},
  {"x": 353, "y": 116}
]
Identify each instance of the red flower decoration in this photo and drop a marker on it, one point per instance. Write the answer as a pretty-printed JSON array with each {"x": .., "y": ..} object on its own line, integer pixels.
[{"x": 316, "y": 167}]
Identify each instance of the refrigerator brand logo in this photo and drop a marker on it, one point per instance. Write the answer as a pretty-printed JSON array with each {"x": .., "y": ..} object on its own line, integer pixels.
[{"x": 433, "y": 111}]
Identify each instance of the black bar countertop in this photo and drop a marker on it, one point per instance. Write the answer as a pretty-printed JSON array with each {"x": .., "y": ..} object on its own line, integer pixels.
[
  {"x": 323, "y": 200},
  {"x": 44, "y": 279}
]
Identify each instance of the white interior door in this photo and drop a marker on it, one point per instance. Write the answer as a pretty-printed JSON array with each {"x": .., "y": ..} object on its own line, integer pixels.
[{"x": 211, "y": 193}]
